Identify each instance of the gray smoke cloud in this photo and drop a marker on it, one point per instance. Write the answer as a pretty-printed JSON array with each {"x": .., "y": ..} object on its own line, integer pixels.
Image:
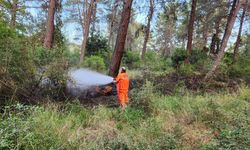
[{"x": 83, "y": 79}]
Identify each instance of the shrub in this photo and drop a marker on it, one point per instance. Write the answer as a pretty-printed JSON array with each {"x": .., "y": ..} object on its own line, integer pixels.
[
  {"x": 131, "y": 59},
  {"x": 13, "y": 124},
  {"x": 97, "y": 45},
  {"x": 143, "y": 97},
  {"x": 198, "y": 59},
  {"x": 72, "y": 57},
  {"x": 214, "y": 121},
  {"x": 57, "y": 79},
  {"x": 178, "y": 57},
  {"x": 95, "y": 63},
  {"x": 241, "y": 67},
  {"x": 172, "y": 103},
  {"x": 231, "y": 139},
  {"x": 13, "y": 57},
  {"x": 44, "y": 56},
  {"x": 228, "y": 58},
  {"x": 16, "y": 67},
  {"x": 21, "y": 66},
  {"x": 132, "y": 117},
  {"x": 159, "y": 63},
  {"x": 186, "y": 69},
  {"x": 50, "y": 67},
  {"x": 115, "y": 144}
]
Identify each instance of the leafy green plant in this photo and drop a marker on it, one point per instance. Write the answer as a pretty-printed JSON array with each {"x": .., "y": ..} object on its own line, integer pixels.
[
  {"x": 97, "y": 45},
  {"x": 160, "y": 63},
  {"x": 178, "y": 57},
  {"x": 241, "y": 68},
  {"x": 43, "y": 56},
  {"x": 16, "y": 67},
  {"x": 131, "y": 59},
  {"x": 72, "y": 57},
  {"x": 186, "y": 69},
  {"x": 143, "y": 97},
  {"x": 231, "y": 139},
  {"x": 95, "y": 63},
  {"x": 199, "y": 59}
]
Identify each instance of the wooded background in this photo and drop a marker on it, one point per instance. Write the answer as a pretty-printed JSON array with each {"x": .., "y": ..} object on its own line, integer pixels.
[
  {"x": 203, "y": 36},
  {"x": 188, "y": 62}
]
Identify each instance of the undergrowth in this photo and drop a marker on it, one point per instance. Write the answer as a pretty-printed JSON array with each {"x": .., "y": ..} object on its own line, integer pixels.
[{"x": 152, "y": 121}]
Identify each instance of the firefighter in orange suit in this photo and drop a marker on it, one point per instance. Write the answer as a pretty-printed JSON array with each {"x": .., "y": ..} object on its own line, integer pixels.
[{"x": 122, "y": 85}]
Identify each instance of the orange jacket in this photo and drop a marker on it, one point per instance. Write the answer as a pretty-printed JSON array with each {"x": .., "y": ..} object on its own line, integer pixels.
[{"x": 122, "y": 82}]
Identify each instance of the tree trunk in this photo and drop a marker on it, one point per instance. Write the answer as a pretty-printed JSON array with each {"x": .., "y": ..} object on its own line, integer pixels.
[
  {"x": 215, "y": 39},
  {"x": 238, "y": 40},
  {"x": 212, "y": 45},
  {"x": 86, "y": 25},
  {"x": 129, "y": 41},
  {"x": 48, "y": 41},
  {"x": 13, "y": 13},
  {"x": 205, "y": 35},
  {"x": 206, "y": 28},
  {"x": 230, "y": 23},
  {"x": 93, "y": 29},
  {"x": 168, "y": 45},
  {"x": 190, "y": 31},
  {"x": 147, "y": 30},
  {"x": 113, "y": 16},
  {"x": 121, "y": 38}
]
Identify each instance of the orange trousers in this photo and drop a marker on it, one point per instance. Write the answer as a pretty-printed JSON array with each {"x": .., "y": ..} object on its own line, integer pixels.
[{"x": 123, "y": 98}]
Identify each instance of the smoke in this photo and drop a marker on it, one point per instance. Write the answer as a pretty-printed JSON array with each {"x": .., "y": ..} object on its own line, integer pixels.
[{"x": 83, "y": 79}]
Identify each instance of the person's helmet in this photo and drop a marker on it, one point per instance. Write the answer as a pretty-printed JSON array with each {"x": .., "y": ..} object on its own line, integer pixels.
[{"x": 123, "y": 69}]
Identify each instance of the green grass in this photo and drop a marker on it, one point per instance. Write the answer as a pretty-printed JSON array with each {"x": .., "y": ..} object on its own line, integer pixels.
[{"x": 152, "y": 121}]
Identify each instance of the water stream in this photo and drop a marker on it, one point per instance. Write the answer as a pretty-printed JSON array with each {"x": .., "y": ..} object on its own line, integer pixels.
[{"x": 83, "y": 79}]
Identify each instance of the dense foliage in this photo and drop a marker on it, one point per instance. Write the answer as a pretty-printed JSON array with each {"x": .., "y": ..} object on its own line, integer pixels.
[
  {"x": 153, "y": 121},
  {"x": 181, "y": 96}
]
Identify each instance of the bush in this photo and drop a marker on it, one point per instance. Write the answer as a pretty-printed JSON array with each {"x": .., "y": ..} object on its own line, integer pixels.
[
  {"x": 241, "y": 68},
  {"x": 13, "y": 124},
  {"x": 23, "y": 68},
  {"x": 228, "y": 58},
  {"x": 186, "y": 69},
  {"x": 237, "y": 69},
  {"x": 231, "y": 139},
  {"x": 72, "y": 57},
  {"x": 178, "y": 57},
  {"x": 57, "y": 79},
  {"x": 43, "y": 56},
  {"x": 159, "y": 63},
  {"x": 143, "y": 97},
  {"x": 16, "y": 68},
  {"x": 95, "y": 63},
  {"x": 199, "y": 59},
  {"x": 131, "y": 59},
  {"x": 97, "y": 45},
  {"x": 13, "y": 58},
  {"x": 214, "y": 121}
]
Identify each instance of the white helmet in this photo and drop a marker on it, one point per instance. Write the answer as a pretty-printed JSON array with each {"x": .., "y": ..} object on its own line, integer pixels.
[{"x": 123, "y": 68}]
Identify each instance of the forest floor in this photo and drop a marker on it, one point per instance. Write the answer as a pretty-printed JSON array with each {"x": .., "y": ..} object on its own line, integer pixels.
[{"x": 166, "y": 111}]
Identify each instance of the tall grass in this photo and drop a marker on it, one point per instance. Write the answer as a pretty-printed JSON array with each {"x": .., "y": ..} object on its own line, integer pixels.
[{"x": 152, "y": 121}]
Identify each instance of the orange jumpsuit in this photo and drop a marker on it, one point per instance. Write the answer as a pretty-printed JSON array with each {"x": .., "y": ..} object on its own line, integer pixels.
[{"x": 122, "y": 88}]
